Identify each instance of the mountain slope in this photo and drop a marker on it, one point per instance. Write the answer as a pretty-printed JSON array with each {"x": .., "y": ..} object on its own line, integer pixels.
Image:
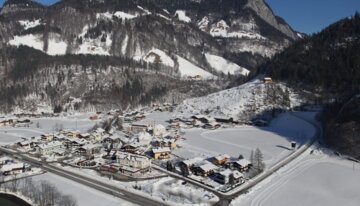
[
  {"x": 328, "y": 61},
  {"x": 93, "y": 50}
]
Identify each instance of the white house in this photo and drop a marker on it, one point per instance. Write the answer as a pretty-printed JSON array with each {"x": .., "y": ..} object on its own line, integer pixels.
[
  {"x": 223, "y": 177},
  {"x": 133, "y": 160},
  {"x": 49, "y": 148}
]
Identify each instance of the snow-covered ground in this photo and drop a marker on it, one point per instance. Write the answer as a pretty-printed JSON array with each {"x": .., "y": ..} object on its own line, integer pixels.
[
  {"x": 273, "y": 141},
  {"x": 158, "y": 56},
  {"x": 222, "y": 65},
  {"x": 40, "y": 126},
  {"x": 182, "y": 194},
  {"x": 188, "y": 69},
  {"x": 312, "y": 179},
  {"x": 85, "y": 196},
  {"x": 171, "y": 190},
  {"x": 241, "y": 103},
  {"x": 181, "y": 15},
  {"x": 55, "y": 46}
]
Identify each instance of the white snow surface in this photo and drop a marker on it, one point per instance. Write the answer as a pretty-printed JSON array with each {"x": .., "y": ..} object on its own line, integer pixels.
[
  {"x": 311, "y": 179},
  {"x": 181, "y": 15},
  {"x": 30, "y": 24},
  {"x": 29, "y": 40},
  {"x": 274, "y": 141},
  {"x": 223, "y": 65},
  {"x": 158, "y": 56},
  {"x": 55, "y": 47},
  {"x": 84, "y": 195},
  {"x": 240, "y": 103},
  {"x": 188, "y": 69},
  {"x": 119, "y": 14}
]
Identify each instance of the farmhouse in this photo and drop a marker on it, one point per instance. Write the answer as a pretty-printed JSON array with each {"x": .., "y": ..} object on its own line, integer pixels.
[
  {"x": 161, "y": 153},
  {"x": 221, "y": 159},
  {"x": 137, "y": 128},
  {"x": 27, "y": 144},
  {"x": 267, "y": 80},
  {"x": 89, "y": 149},
  {"x": 224, "y": 177},
  {"x": 14, "y": 168},
  {"x": 204, "y": 169},
  {"x": 242, "y": 165},
  {"x": 188, "y": 164},
  {"x": 171, "y": 143}
]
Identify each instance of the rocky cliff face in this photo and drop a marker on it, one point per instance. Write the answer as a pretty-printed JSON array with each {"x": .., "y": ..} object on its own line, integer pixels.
[{"x": 174, "y": 38}]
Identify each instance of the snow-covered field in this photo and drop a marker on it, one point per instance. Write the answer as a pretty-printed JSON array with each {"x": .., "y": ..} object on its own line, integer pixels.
[
  {"x": 85, "y": 196},
  {"x": 46, "y": 125},
  {"x": 273, "y": 141},
  {"x": 312, "y": 179}
]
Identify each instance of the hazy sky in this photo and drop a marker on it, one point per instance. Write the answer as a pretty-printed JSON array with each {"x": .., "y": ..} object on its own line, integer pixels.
[{"x": 307, "y": 16}]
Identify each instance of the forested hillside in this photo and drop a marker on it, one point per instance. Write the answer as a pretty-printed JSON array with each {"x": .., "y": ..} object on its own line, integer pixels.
[{"x": 328, "y": 61}]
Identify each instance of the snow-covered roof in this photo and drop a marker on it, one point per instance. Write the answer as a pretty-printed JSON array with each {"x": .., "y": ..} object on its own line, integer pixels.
[
  {"x": 10, "y": 167},
  {"x": 208, "y": 167},
  {"x": 228, "y": 172},
  {"x": 131, "y": 157},
  {"x": 243, "y": 162},
  {"x": 161, "y": 150},
  {"x": 221, "y": 157},
  {"x": 190, "y": 162},
  {"x": 50, "y": 145}
]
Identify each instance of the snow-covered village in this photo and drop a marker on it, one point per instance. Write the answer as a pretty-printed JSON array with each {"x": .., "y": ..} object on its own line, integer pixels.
[{"x": 179, "y": 102}]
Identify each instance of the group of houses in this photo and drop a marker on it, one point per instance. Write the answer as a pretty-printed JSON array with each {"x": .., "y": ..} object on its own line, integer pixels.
[
  {"x": 222, "y": 168},
  {"x": 129, "y": 151},
  {"x": 14, "y": 122}
]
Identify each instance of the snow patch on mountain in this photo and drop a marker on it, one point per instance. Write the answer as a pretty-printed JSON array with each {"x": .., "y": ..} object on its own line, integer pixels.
[
  {"x": 55, "y": 45},
  {"x": 189, "y": 70},
  {"x": 29, "y": 40},
  {"x": 223, "y": 65},
  {"x": 119, "y": 14},
  {"x": 147, "y": 12},
  {"x": 204, "y": 23},
  {"x": 158, "y": 56},
  {"x": 124, "y": 45},
  {"x": 30, "y": 24},
  {"x": 241, "y": 103},
  {"x": 181, "y": 15},
  {"x": 222, "y": 29}
]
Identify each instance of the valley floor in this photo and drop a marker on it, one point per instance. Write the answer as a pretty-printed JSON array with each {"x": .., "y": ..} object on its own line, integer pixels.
[{"x": 274, "y": 141}]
